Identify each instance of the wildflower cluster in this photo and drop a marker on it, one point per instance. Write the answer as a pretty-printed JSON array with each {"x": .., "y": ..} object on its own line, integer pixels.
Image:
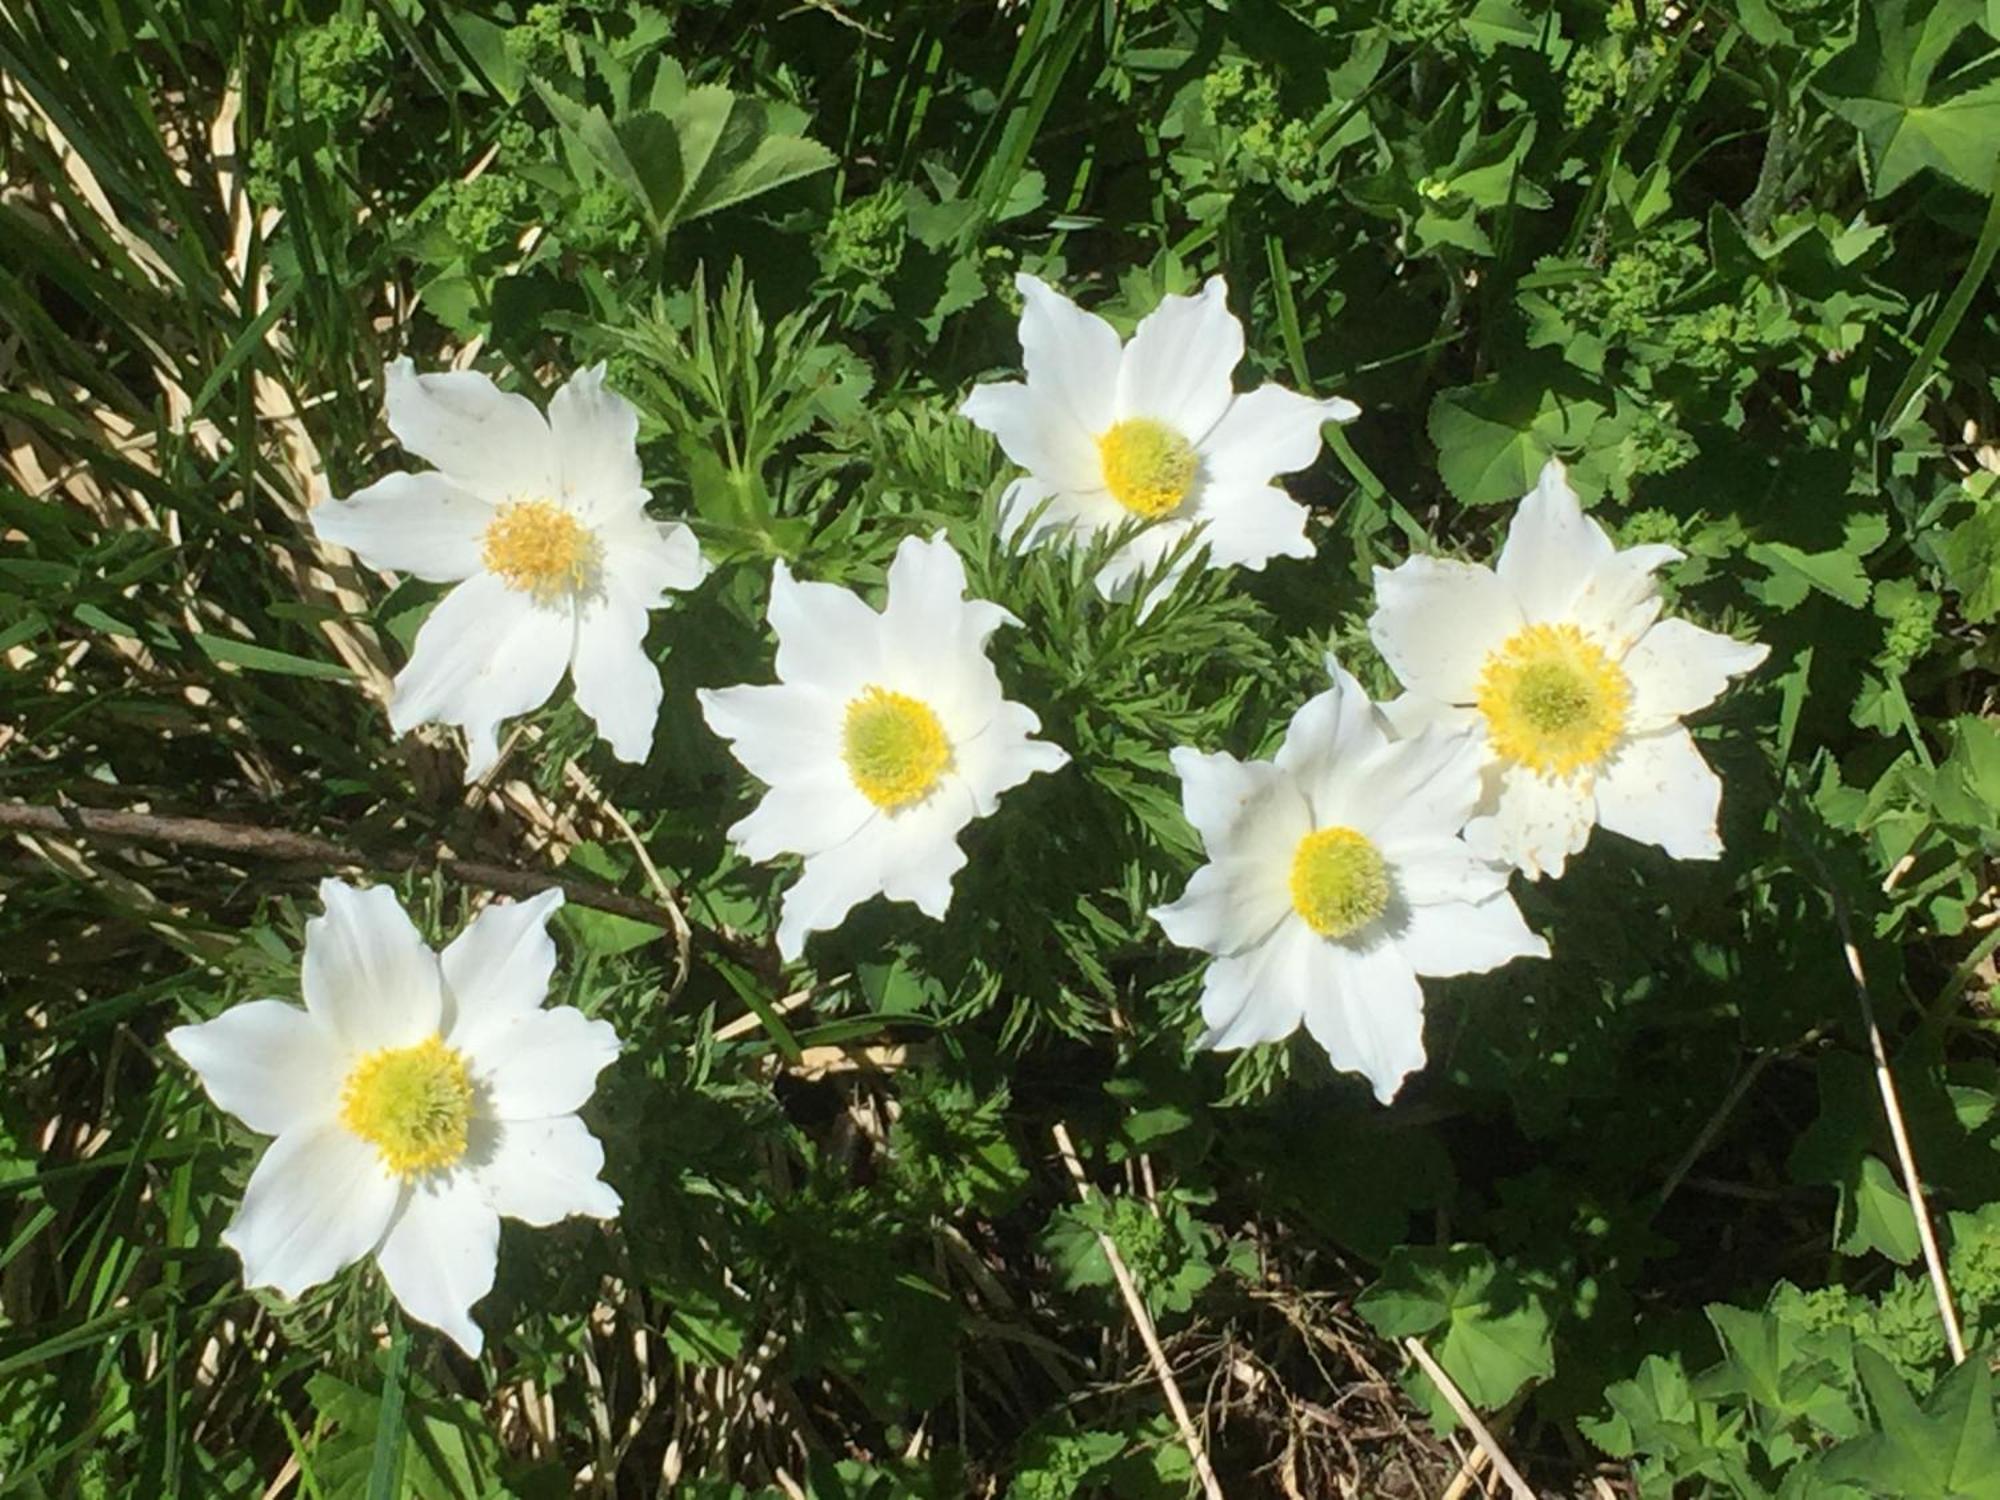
[{"x": 418, "y": 1098}]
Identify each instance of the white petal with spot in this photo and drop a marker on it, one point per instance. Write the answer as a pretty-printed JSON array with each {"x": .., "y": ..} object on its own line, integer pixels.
[
  {"x": 1658, "y": 789},
  {"x": 1436, "y": 622},
  {"x": 1678, "y": 668}
]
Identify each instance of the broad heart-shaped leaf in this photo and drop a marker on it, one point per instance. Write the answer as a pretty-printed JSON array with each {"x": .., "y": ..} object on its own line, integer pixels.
[
  {"x": 1882, "y": 85},
  {"x": 1493, "y": 438},
  {"x": 1487, "y": 1328},
  {"x": 1946, "y": 1450}
]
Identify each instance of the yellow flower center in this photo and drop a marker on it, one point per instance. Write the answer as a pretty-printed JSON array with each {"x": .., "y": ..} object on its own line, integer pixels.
[
  {"x": 1340, "y": 882},
  {"x": 412, "y": 1104},
  {"x": 894, "y": 747},
  {"x": 1148, "y": 467},
  {"x": 1553, "y": 701},
  {"x": 541, "y": 549}
]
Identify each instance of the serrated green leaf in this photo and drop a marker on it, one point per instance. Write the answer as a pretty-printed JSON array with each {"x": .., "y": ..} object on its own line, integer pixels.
[{"x": 1884, "y": 86}]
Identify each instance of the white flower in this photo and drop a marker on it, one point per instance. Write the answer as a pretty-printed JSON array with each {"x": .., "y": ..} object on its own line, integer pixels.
[
  {"x": 416, "y": 1099},
  {"x": 1336, "y": 876},
  {"x": 884, "y": 736},
  {"x": 542, "y": 524},
  {"x": 1154, "y": 429},
  {"x": 1558, "y": 665}
]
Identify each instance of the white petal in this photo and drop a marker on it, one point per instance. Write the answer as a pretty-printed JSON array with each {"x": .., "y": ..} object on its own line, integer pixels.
[
  {"x": 1658, "y": 790},
  {"x": 441, "y": 1253},
  {"x": 367, "y": 976},
  {"x": 1436, "y": 869},
  {"x": 540, "y": 1171},
  {"x": 828, "y": 888},
  {"x": 1269, "y": 431},
  {"x": 1230, "y": 905},
  {"x": 1031, "y": 513},
  {"x": 1367, "y": 1011},
  {"x": 1532, "y": 822},
  {"x": 1410, "y": 714},
  {"x": 489, "y": 441},
  {"x": 1178, "y": 366},
  {"x": 934, "y": 638},
  {"x": 1069, "y": 354},
  {"x": 1677, "y": 668},
  {"x": 486, "y": 653},
  {"x": 596, "y": 435},
  {"x": 1552, "y": 548},
  {"x": 420, "y": 524},
  {"x": 272, "y": 1065},
  {"x": 1260, "y": 994},
  {"x": 499, "y": 968},
  {"x": 1425, "y": 787},
  {"x": 1251, "y": 807},
  {"x": 1327, "y": 740},
  {"x": 1246, "y": 525},
  {"x": 803, "y": 815},
  {"x": 1004, "y": 755},
  {"x": 1037, "y": 432},
  {"x": 1436, "y": 621},
  {"x": 911, "y": 856},
  {"x": 1468, "y": 937},
  {"x": 919, "y": 853},
  {"x": 826, "y": 635},
  {"x": 615, "y": 680},
  {"x": 781, "y": 732},
  {"x": 318, "y": 1201},
  {"x": 540, "y": 1064},
  {"x": 649, "y": 559},
  {"x": 1621, "y": 598}
]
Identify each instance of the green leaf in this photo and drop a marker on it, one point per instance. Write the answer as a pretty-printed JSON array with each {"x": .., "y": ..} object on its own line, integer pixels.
[
  {"x": 1946, "y": 1450},
  {"x": 1970, "y": 552},
  {"x": 1494, "y": 438},
  {"x": 1836, "y": 573},
  {"x": 224, "y": 648},
  {"x": 1882, "y": 85},
  {"x": 1487, "y": 1328},
  {"x": 1883, "y": 1220}
]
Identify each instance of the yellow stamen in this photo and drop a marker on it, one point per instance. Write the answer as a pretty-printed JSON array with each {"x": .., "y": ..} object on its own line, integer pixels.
[
  {"x": 1148, "y": 467},
  {"x": 541, "y": 549},
  {"x": 1340, "y": 882},
  {"x": 1553, "y": 701},
  {"x": 894, "y": 747},
  {"x": 412, "y": 1104}
]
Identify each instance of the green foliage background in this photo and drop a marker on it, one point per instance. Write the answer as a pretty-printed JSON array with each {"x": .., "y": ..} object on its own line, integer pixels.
[{"x": 1732, "y": 261}]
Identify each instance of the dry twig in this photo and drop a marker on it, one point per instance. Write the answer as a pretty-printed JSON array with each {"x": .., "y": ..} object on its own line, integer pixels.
[
  {"x": 286, "y": 847},
  {"x": 1143, "y": 1321},
  {"x": 1463, "y": 1409}
]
